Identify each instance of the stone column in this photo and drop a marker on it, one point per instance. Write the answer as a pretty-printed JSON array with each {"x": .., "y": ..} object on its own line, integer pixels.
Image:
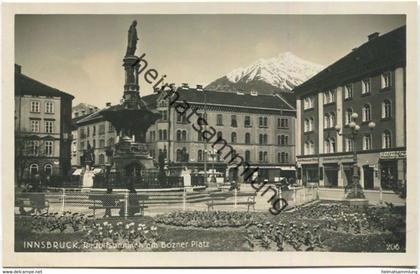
[{"x": 340, "y": 180}]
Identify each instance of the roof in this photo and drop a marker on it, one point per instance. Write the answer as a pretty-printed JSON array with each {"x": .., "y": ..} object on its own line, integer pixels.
[
  {"x": 243, "y": 100},
  {"x": 217, "y": 98},
  {"x": 25, "y": 85},
  {"x": 384, "y": 52}
]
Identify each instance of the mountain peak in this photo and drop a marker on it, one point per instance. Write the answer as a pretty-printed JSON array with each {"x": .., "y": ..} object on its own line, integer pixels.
[{"x": 284, "y": 71}]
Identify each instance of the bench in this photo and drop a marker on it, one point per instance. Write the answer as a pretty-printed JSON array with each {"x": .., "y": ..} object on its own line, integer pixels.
[
  {"x": 217, "y": 199},
  {"x": 36, "y": 201},
  {"x": 114, "y": 201}
]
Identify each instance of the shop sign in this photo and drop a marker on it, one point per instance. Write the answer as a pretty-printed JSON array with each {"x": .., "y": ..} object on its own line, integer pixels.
[
  {"x": 392, "y": 155},
  {"x": 338, "y": 158},
  {"x": 307, "y": 160}
]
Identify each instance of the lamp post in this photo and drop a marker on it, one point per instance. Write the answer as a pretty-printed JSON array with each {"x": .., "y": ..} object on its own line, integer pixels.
[
  {"x": 109, "y": 152},
  {"x": 213, "y": 156},
  {"x": 354, "y": 127}
]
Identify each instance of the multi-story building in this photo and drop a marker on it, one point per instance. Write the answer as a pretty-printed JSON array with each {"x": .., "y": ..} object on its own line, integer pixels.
[
  {"x": 42, "y": 128},
  {"x": 79, "y": 112},
  {"x": 260, "y": 128},
  {"x": 369, "y": 81}
]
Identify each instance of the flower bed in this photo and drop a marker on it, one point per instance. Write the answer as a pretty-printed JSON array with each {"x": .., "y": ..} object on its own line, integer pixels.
[{"x": 205, "y": 219}]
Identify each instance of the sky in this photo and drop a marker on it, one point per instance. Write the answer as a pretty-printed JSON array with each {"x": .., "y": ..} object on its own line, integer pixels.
[{"x": 82, "y": 54}]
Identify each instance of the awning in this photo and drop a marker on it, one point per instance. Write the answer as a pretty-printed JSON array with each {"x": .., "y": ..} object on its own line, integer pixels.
[
  {"x": 78, "y": 171},
  {"x": 97, "y": 170},
  {"x": 288, "y": 168}
]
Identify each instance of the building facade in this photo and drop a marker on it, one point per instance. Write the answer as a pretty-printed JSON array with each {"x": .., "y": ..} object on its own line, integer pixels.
[
  {"x": 364, "y": 90},
  {"x": 42, "y": 128},
  {"x": 260, "y": 128}
]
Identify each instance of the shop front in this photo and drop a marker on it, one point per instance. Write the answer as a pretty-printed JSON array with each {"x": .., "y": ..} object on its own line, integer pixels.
[{"x": 393, "y": 169}]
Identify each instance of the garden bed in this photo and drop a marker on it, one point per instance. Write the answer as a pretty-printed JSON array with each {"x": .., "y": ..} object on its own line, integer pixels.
[{"x": 319, "y": 227}]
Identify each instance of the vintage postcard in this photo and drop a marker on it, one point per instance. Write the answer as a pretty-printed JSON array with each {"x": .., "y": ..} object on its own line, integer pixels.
[{"x": 203, "y": 135}]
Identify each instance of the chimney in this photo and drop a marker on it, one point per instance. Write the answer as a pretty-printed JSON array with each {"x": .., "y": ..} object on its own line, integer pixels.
[
  {"x": 108, "y": 104},
  {"x": 373, "y": 36},
  {"x": 199, "y": 87},
  {"x": 18, "y": 68}
]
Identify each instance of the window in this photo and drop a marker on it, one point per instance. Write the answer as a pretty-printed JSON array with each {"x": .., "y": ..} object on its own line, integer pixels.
[
  {"x": 49, "y": 107},
  {"x": 349, "y": 144},
  {"x": 386, "y": 139},
  {"x": 367, "y": 142},
  {"x": 102, "y": 143},
  {"x": 308, "y": 102},
  {"x": 110, "y": 127},
  {"x": 263, "y": 121},
  {"x": 247, "y": 122},
  {"x": 331, "y": 122},
  {"x": 163, "y": 115},
  {"x": 48, "y": 169},
  {"x": 366, "y": 113},
  {"x": 306, "y": 125},
  {"x": 329, "y": 145},
  {"x": 165, "y": 135},
  {"x": 309, "y": 148},
  {"x": 94, "y": 143},
  {"x": 35, "y": 125},
  {"x": 181, "y": 118},
  {"x": 282, "y": 123},
  {"x": 263, "y": 139},
  {"x": 94, "y": 131},
  {"x": 200, "y": 155},
  {"x": 49, "y": 126},
  {"x": 326, "y": 120},
  {"x": 233, "y": 122},
  {"x": 33, "y": 147},
  {"x": 348, "y": 91},
  {"x": 101, "y": 159},
  {"x": 283, "y": 157},
  {"x": 199, "y": 136},
  {"x": 282, "y": 140},
  {"x": 347, "y": 116},
  {"x": 82, "y": 145},
  {"x": 386, "y": 80},
  {"x": 219, "y": 121},
  {"x": 311, "y": 124},
  {"x": 48, "y": 148},
  {"x": 35, "y": 106},
  {"x": 233, "y": 138},
  {"x": 101, "y": 129},
  {"x": 219, "y": 135},
  {"x": 247, "y": 138},
  {"x": 161, "y": 135},
  {"x": 366, "y": 86},
  {"x": 88, "y": 132},
  {"x": 329, "y": 97},
  {"x": 178, "y": 155},
  {"x": 247, "y": 155},
  {"x": 386, "y": 109},
  {"x": 33, "y": 169},
  {"x": 184, "y": 135}
]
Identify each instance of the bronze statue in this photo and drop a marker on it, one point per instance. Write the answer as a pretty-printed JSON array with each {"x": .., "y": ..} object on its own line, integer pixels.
[{"x": 132, "y": 39}]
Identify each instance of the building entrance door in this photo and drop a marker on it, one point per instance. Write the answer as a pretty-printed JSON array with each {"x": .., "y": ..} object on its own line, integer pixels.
[
  {"x": 331, "y": 175},
  {"x": 368, "y": 176}
]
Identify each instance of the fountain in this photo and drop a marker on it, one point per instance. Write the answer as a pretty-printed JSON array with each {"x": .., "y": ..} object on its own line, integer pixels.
[{"x": 131, "y": 119}]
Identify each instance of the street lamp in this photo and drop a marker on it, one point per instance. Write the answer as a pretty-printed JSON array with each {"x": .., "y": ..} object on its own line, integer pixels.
[
  {"x": 213, "y": 156},
  {"x": 354, "y": 127}
]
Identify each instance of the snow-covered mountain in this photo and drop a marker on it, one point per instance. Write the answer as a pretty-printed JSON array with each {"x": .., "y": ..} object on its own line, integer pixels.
[{"x": 278, "y": 74}]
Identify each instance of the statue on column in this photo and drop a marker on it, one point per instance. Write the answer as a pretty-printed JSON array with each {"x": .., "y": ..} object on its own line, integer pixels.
[{"x": 132, "y": 39}]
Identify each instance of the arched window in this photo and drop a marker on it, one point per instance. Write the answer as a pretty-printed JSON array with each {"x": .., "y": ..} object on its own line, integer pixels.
[
  {"x": 247, "y": 155},
  {"x": 178, "y": 135},
  {"x": 347, "y": 116},
  {"x": 33, "y": 169},
  {"x": 184, "y": 135},
  {"x": 260, "y": 156},
  {"x": 311, "y": 124},
  {"x": 311, "y": 147},
  {"x": 326, "y": 120},
  {"x": 327, "y": 146},
  {"x": 265, "y": 139},
  {"x": 265, "y": 156},
  {"x": 367, "y": 142},
  {"x": 247, "y": 138},
  {"x": 306, "y": 125},
  {"x": 332, "y": 120},
  {"x": 260, "y": 139},
  {"x": 219, "y": 135},
  {"x": 178, "y": 155},
  {"x": 233, "y": 138},
  {"x": 366, "y": 113},
  {"x": 386, "y": 109},
  {"x": 48, "y": 169},
  {"x": 200, "y": 155},
  {"x": 386, "y": 139},
  {"x": 101, "y": 159},
  {"x": 199, "y": 136}
]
